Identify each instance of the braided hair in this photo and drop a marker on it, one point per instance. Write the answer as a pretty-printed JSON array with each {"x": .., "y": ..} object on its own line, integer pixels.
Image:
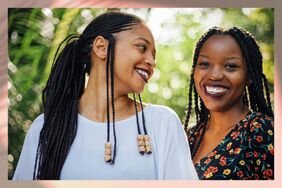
[
  {"x": 66, "y": 85},
  {"x": 256, "y": 95}
]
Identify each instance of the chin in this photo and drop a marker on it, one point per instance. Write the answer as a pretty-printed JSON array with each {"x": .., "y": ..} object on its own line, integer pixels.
[{"x": 138, "y": 90}]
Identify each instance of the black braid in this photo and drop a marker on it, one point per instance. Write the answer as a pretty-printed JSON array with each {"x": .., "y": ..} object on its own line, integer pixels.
[
  {"x": 136, "y": 112},
  {"x": 189, "y": 107},
  {"x": 267, "y": 93},
  {"x": 111, "y": 60},
  {"x": 256, "y": 95},
  {"x": 66, "y": 85},
  {"x": 260, "y": 100},
  {"x": 192, "y": 88},
  {"x": 245, "y": 98},
  {"x": 199, "y": 141},
  {"x": 143, "y": 116}
]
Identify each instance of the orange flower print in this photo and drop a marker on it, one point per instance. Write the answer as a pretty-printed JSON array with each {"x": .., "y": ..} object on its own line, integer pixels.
[
  {"x": 237, "y": 150},
  {"x": 207, "y": 161},
  {"x": 252, "y": 129},
  {"x": 272, "y": 152},
  {"x": 231, "y": 151},
  {"x": 257, "y": 125},
  {"x": 222, "y": 161},
  {"x": 259, "y": 139},
  {"x": 240, "y": 174},
  {"x": 267, "y": 173},
  {"x": 255, "y": 154},
  {"x": 212, "y": 154},
  {"x": 245, "y": 124},
  {"x": 235, "y": 135},
  {"x": 228, "y": 146},
  {"x": 209, "y": 172},
  {"x": 208, "y": 175},
  {"x": 214, "y": 169}
]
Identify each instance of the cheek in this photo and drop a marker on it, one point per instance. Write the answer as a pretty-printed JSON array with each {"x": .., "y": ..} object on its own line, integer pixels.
[
  {"x": 240, "y": 80},
  {"x": 240, "y": 85},
  {"x": 197, "y": 79}
]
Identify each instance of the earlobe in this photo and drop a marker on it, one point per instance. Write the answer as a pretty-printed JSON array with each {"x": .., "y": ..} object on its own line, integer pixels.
[{"x": 100, "y": 47}]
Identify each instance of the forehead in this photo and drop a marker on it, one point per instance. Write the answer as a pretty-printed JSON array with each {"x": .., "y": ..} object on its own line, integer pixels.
[
  {"x": 137, "y": 31},
  {"x": 221, "y": 44}
]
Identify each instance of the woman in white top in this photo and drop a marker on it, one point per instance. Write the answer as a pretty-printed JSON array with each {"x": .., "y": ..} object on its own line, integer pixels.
[{"x": 97, "y": 131}]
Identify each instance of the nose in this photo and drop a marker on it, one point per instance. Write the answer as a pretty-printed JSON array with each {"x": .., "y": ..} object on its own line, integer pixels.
[
  {"x": 216, "y": 73},
  {"x": 151, "y": 60}
]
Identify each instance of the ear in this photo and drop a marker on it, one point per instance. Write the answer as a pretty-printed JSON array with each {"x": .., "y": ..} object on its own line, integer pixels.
[{"x": 100, "y": 47}]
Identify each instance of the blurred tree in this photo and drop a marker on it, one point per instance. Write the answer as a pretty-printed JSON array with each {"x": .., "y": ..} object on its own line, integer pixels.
[{"x": 34, "y": 35}]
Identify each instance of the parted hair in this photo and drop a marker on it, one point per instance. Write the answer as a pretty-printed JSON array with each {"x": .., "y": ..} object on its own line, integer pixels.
[{"x": 66, "y": 85}]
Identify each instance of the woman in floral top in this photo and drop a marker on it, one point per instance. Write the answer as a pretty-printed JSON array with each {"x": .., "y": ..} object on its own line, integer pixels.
[{"x": 233, "y": 136}]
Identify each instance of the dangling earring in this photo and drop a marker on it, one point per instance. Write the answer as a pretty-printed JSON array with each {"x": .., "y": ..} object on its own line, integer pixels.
[{"x": 143, "y": 141}]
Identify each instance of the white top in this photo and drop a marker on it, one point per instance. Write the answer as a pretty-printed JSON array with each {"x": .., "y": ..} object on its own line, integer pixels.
[{"x": 170, "y": 158}]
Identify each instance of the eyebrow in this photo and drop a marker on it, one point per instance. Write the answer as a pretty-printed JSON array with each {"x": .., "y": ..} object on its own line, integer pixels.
[
  {"x": 148, "y": 42},
  {"x": 228, "y": 58}
]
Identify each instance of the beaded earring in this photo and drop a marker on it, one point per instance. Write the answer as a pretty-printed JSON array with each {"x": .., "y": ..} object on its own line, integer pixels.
[{"x": 143, "y": 141}]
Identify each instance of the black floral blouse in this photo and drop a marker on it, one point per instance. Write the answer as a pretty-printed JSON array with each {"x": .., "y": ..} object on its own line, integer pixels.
[{"x": 246, "y": 152}]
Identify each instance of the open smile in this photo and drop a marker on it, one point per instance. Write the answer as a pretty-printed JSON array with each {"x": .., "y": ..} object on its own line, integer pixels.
[
  {"x": 215, "y": 90},
  {"x": 144, "y": 74}
]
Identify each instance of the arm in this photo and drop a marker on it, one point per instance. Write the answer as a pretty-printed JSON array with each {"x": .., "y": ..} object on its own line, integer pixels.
[{"x": 25, "y": 166}]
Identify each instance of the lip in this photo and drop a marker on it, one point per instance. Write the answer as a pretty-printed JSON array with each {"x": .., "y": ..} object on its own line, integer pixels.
[
  {"x": 215, "y": 90},
  {"x": 147, "y": 70}
]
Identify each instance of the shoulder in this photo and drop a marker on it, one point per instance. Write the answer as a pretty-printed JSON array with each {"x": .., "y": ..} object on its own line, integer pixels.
[
  {"x": 261, "y": 130},
  {"x": 259, "y": 122},
  {"x": 36, "y": 125},
  {"x": 163, "y": 111},
  {"x": 163, "y": 117}
]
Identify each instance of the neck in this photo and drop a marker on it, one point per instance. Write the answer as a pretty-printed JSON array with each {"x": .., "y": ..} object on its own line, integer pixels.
[
  {"x": 224, "y": 121},
  {"x": 93, "y": 102}
]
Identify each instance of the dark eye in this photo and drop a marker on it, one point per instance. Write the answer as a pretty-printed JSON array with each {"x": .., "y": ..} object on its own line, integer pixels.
[
  {"x": 231, "y": 66},
  {"x": 142, "y": 47},
  {"x": 203, "y": 64}
]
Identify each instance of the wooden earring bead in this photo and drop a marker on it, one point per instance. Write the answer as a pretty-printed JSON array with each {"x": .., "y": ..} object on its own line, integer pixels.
[
  {"x": 141, "y": 149},
  {"x": 107, "y": 158},
  {"x": 108, "y": 145},
  {"x": 140, "y": 137},
  {"x": 141, "y": 144},
  {"x": 108, "y": 152},
  {"x": 148, "y": 147}
]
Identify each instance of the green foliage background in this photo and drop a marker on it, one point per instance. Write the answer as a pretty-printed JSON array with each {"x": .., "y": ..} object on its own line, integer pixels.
[{"x": 34, "y": 35}]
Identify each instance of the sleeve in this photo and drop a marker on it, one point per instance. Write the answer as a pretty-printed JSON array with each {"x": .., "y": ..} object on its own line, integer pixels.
[
  {"x": 25, "y": 166},
  {"x": 175, "y": 159},
  {"x": 263, "y": 148}
]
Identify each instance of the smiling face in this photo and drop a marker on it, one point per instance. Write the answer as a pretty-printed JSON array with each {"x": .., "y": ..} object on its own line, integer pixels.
[
  {"x": 220, "y": 74},
  {"x": 134, "y": 59}
]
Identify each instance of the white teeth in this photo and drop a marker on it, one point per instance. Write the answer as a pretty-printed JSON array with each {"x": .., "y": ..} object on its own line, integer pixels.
[
  {"x": 143, "y": 73},
  {"x": 215, "y": 90}
]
